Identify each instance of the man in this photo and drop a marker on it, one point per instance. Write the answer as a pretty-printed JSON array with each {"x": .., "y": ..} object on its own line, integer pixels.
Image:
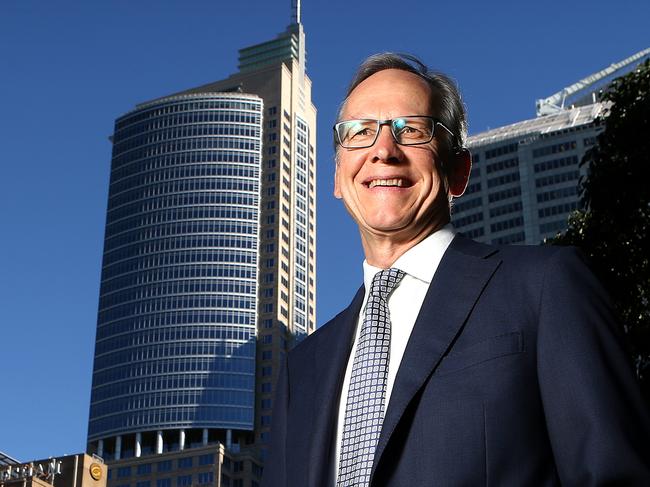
[{"x": 457, "y": 363}]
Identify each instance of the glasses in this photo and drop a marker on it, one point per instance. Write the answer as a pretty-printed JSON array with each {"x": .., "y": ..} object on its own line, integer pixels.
[{"x": 409, "y": 130}]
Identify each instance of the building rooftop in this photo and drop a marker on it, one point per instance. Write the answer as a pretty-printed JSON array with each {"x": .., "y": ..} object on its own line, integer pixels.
[
  {"x": 6, "y": 460},
  {"x": 572, "y": 117}
]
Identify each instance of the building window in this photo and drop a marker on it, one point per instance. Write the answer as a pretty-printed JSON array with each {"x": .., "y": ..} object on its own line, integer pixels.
[
  {"x": 205, "y": 478},
  {"x": 557, "y": 210},
  {"x": 123, "y": 472},
  {"x": 554, "y": 149},
  {"x": 557, "y": 178},
  {"x": 184, "y": 480},
  {"x": 164, "y": 466},
  {"x": 185, "y": 462},
  {"x": 267, "y": 371},
  {"x": 553, "y": 226},
  {"x": 164, "y": 483},
  {"x": 207, "y": 459},
  {"x": 504, "y": 225},
  {"x": 556, "y": 163},
  {"x": 474, "y": 233},
  {"x": 267, "y": 355},
  {"x": 467, "y": 204},
  {"x": 505, "y": 179},
  {"x": 499, "y": 151},
  {"x": 144, "y": 469},
  {"x": 144, "y": 483},
  {"x": 505, "y": 209},
  {"x": 469, "y": 219}
]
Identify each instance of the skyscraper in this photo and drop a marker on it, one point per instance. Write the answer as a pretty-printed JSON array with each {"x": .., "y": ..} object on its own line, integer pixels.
[
  {"x": 524, "y": 181},
  {"x": 208, "y": 272}
]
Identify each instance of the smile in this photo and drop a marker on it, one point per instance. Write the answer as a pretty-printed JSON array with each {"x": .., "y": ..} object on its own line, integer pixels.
[{"x": 393, "y": 182}]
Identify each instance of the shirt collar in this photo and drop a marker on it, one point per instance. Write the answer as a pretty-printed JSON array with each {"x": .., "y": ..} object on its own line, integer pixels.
[{"x": 420, "y": 261}]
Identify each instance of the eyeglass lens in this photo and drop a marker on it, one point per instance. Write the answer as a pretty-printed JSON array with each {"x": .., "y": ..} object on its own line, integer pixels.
[{"x": 405, "y": 130}]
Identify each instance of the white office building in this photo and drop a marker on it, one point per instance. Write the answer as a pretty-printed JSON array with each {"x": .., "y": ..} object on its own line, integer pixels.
[{"x": 525, "y": 176}]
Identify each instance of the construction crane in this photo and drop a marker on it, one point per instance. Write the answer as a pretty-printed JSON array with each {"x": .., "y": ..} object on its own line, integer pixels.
[{"x": 557, "y": 102}]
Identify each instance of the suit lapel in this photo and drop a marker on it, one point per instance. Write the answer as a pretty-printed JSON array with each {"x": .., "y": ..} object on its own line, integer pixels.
[
  {"x": 330, "y": 361},
  {"x": 458, "y": 282}
]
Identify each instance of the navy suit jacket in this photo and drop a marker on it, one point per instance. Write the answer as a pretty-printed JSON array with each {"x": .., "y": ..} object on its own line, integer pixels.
[{"x": 513, "y": 375}]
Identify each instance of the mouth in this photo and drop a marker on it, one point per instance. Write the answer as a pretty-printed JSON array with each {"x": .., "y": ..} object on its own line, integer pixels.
[{"x": 388, "y": 182}]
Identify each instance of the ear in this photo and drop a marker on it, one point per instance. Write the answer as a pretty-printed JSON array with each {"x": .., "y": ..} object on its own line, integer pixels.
[
  {"x": 337, "y": 189},
  {"x": 460, "y": 175}
]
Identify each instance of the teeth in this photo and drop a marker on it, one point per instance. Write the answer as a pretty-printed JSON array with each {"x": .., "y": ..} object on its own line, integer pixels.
[{"x": 386, "y": 182}]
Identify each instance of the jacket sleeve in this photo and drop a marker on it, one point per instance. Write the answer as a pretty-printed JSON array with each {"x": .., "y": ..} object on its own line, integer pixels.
[
  {"x": 597, "y": 420},
  {"x": 275, "y": 474}
]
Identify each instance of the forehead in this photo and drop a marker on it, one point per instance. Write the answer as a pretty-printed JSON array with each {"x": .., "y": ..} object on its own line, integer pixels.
[{"x": 389, "y": 93}]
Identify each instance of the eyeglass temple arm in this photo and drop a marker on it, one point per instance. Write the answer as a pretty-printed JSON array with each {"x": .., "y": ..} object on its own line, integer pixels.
[{"x": 457, "y": 146}]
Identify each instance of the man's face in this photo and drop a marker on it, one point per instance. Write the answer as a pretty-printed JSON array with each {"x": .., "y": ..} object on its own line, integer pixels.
[{"x": 389, "y": 189}]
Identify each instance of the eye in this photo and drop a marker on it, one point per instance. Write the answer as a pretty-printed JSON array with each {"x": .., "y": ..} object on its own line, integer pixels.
[
  {"x": 411, "y": 129},
  {"x": 404, "y": 129},
  {"x": 359, "y": 130}
]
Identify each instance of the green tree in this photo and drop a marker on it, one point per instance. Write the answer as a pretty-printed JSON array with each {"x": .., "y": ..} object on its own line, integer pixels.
[{"x": 613, "y": 228}]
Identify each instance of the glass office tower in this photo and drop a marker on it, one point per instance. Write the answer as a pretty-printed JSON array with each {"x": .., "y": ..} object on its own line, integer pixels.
[
  {"x": 209, "y": 271},
  {"x": 176, "y": 333},
  {"x": 275, "y": 70}
]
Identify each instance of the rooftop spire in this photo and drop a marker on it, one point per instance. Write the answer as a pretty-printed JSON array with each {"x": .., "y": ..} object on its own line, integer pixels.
[{"x": 295, "y": 11}]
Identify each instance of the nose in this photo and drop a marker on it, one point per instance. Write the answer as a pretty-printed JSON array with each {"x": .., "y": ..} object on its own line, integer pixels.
[{"x": 385, "y": 148}]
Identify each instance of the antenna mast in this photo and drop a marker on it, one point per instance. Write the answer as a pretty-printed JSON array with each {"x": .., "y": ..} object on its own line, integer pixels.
[{"x": 295, "y": 11}]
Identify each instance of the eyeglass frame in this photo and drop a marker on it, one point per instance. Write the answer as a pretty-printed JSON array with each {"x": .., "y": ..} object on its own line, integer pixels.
[{"x": 389, "y": 122}]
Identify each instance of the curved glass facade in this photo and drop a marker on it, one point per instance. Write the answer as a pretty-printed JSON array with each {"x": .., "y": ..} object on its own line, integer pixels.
[{"x": 177, "y": 317}]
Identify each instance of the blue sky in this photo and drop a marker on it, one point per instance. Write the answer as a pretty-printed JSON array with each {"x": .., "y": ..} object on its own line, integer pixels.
[{"x": 69, "y": 68}]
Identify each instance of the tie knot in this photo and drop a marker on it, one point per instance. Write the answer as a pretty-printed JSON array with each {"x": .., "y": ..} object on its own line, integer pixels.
[{"x": 385, "y": 281}]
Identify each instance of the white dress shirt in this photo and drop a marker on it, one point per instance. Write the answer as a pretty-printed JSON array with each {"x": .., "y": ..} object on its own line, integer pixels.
[{"x": 419, "y": 264}]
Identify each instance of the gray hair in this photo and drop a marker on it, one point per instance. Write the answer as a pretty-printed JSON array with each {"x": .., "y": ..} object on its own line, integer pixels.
[{"x": 446, "y": 102}]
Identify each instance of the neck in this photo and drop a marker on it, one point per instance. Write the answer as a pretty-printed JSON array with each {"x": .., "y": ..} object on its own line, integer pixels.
[{"x": 383, "y": 250}]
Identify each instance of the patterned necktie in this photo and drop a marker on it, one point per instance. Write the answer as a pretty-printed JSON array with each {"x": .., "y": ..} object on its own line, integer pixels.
[{"x": 364, "y": 410}]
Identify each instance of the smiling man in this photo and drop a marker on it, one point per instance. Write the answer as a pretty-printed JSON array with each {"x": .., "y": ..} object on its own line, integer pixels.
[{"x": 457, "y": 363}]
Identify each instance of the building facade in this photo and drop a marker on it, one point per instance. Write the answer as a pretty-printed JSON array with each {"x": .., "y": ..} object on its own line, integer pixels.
[
  {"x": 176, "y": 332},
  {"x": 524, "y": 179},
  {"x": 276, "y": 72},
  {"x": 209, "y": 265},
  {"x": 67, "y": 471},
  {"x": 213, "y": 466},
  {"x": 525, "y": 176}
]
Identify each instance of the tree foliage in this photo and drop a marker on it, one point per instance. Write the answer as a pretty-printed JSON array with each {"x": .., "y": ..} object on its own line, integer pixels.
[{"x": 613, "y": 228}]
